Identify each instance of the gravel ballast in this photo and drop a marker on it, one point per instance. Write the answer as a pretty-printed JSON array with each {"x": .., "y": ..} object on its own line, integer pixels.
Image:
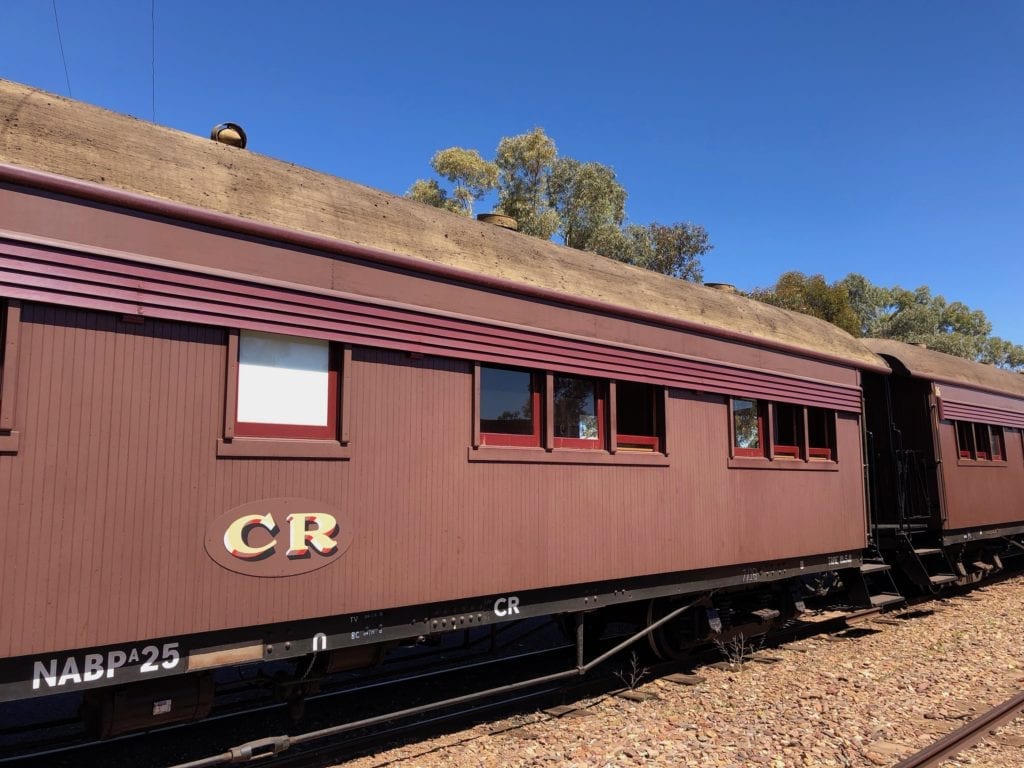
[{"x": 867, "y": 697}]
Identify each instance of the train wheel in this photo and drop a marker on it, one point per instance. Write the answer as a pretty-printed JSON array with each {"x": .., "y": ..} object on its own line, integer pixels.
[{"x": 675, "y": 640}]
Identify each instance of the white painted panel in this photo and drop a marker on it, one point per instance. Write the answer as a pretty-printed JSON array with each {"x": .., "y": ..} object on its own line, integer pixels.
[{"x": 282, "y": 379}]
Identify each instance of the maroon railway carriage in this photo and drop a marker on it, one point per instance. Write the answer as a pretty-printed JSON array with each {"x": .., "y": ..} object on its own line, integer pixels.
[
  {"x": 948, "y": 460},
  {"x": 251, "y": 412}
]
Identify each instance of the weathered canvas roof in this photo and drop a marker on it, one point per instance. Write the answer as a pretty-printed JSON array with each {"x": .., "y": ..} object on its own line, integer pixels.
[
  {"x": 53, "y": 134},
  {"x": 938, "y": 366}
]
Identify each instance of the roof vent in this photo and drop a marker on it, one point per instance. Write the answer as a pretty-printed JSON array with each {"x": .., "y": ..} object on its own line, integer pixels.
[
  {"x": 725, "y": 287},
  {"x": 499, "y": 220},
  {"x": 230, "y": 134}
]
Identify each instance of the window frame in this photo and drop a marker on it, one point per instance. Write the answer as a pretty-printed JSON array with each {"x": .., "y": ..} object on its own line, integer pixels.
[
  {"x": 993, "y": 453},
  {"x": 817, "y": 452},
  {"x": 798, "y": 421},
  {"x": 256, "y": 439},
  {"x": 620, "y": 441},
  {"x": 636, "y": 450},
  {"x": 768, "y": 455},
  {"x": 504, "y": 439},
  {"x": 581, "y": 443},
  {"x": 10, "y": 332},
  {"x": 739, "y": 451}
]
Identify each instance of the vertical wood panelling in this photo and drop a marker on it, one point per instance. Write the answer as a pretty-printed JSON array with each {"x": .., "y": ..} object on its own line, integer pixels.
[
  {"x": 110, "y": 496},
  {"x": 980, "y": 493}
]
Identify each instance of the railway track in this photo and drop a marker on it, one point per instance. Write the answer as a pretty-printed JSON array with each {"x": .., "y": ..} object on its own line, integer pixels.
[
  {"x": 966, "y": 736},
  {"x": 339, "y": 741}
]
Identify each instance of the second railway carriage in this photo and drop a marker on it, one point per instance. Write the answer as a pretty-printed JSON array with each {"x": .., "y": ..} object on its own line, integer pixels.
[
  {"x": 948, "y": 462},
  {"x": 253, "y": 413}
]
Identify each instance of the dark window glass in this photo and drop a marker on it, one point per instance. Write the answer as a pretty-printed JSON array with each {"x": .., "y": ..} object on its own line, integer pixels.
[
  {"x": 746, "y": 419},
  {"x": 998, "y": 446},
  {"x": 821, "y": 433},
  {"x": 576, "y": 408},
  {"x": 788, "y": 435},
  {"x": 635, "y": 408},
  {"x": 965, "y": 439},
  {"x": 506, "y": 401}
]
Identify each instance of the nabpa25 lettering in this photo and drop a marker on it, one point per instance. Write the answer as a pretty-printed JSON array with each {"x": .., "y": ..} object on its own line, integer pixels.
[{"x": 91, "y": 667}]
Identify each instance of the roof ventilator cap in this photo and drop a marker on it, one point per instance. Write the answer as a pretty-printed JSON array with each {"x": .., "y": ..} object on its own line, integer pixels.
[
  {"x": 499, "y": 220},
  {"x": 230, "y": 134}
]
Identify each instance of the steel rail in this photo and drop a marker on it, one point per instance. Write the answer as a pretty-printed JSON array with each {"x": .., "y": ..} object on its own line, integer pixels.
[{"x": 965, "y": 736}]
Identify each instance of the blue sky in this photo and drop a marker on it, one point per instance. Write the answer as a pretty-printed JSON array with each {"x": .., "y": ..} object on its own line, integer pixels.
[{"x": 885, "y": 138}]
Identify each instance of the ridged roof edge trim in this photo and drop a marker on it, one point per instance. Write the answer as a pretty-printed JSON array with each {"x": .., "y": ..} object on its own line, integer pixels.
[
  {"x": 938, "y": 366},
  {"x": 51, "y": 182}
]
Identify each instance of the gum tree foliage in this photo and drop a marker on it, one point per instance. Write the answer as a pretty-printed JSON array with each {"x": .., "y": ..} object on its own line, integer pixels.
[
  {"x": 582, "y": 202},
  {"x": 591, "y": 205},
  {"x": 671, "y": 249},
  {"x": 918, "y": 317},
  {"x": 524, "y": 170},
  {"x": 812, "y": 295},
  {"x": 471, "y": 177}
]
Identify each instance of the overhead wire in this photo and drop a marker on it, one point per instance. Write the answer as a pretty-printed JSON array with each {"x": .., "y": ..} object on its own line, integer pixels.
[
  {"x": 152, "y": 50},
  {"x": 60, "y": 42}
]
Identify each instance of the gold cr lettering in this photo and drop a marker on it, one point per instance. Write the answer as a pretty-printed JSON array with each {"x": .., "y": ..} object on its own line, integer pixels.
[
  {"x": 236, "y": 536},
  {"x": 301, "y": 536}
]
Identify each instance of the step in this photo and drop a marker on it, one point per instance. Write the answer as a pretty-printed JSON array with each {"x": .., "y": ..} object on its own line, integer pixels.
[
  {"x": 874, "y": 567},
  {"x": 886, "y": 598},
  {"x": 978, "y": 565},
  {"x": 925, "y": 551},
  {"x": 941, "y": 578}
]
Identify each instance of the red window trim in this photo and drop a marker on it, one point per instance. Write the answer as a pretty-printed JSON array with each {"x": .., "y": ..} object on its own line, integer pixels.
[
  {"x": 531, "y": 440},
  {"x": 253, "y": 439},
  {"x": 586, "y": 443},
  {"x": 737, "y": 450},
  {"x": 792, "y": 456},
  {"x": 543, "y": 436},
  {"x": 786, "y": 450},
  {"x": 821, "y": 452}
]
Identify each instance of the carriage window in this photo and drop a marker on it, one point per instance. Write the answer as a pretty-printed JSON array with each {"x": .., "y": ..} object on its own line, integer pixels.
[
  {"x": 787, "y": 430},
  {"x": 804, "y": 433},
  {"x": 287, "y": 387},
  {"x": 579, "y": 413},
  {"x": 637, "y": 415},
  {"x": 998, "y": 445},
  {"x": 821, "y": 433},
  {"x": 509, "y": 407},
  {"x": 748, "y": 426},
  {"x": 965, "y": 439},
  {"x": 980, "y": 442}
]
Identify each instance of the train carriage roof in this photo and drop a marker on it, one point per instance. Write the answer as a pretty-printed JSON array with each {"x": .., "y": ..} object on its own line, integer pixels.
[
  {"x": 931, "y": 365},
  {"x": 45, "y": 132}
]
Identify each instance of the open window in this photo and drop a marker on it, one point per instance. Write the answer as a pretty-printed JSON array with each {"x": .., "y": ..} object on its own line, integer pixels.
[
  {"x": 965, "y": 439},
  {"x": 977, "y": 442},
  {"x": 565, "y": 418},
  {"x": 638, "y": 417},
  {"x": 285, "y": 396},
  {"x": 787, "y": 430},
  {"x": 781, "y": 435},
  {"x": 821, "y": 434},
  {"x": 510, "y": 407}
]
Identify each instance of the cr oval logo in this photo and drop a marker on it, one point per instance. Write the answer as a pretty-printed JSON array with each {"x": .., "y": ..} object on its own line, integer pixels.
[{"x": 278, "y": 537}]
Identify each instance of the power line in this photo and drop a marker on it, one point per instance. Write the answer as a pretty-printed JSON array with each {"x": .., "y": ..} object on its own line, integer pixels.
[
  {"x": 152, "y": 50},
  {"x": 60, "y": 42}
]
